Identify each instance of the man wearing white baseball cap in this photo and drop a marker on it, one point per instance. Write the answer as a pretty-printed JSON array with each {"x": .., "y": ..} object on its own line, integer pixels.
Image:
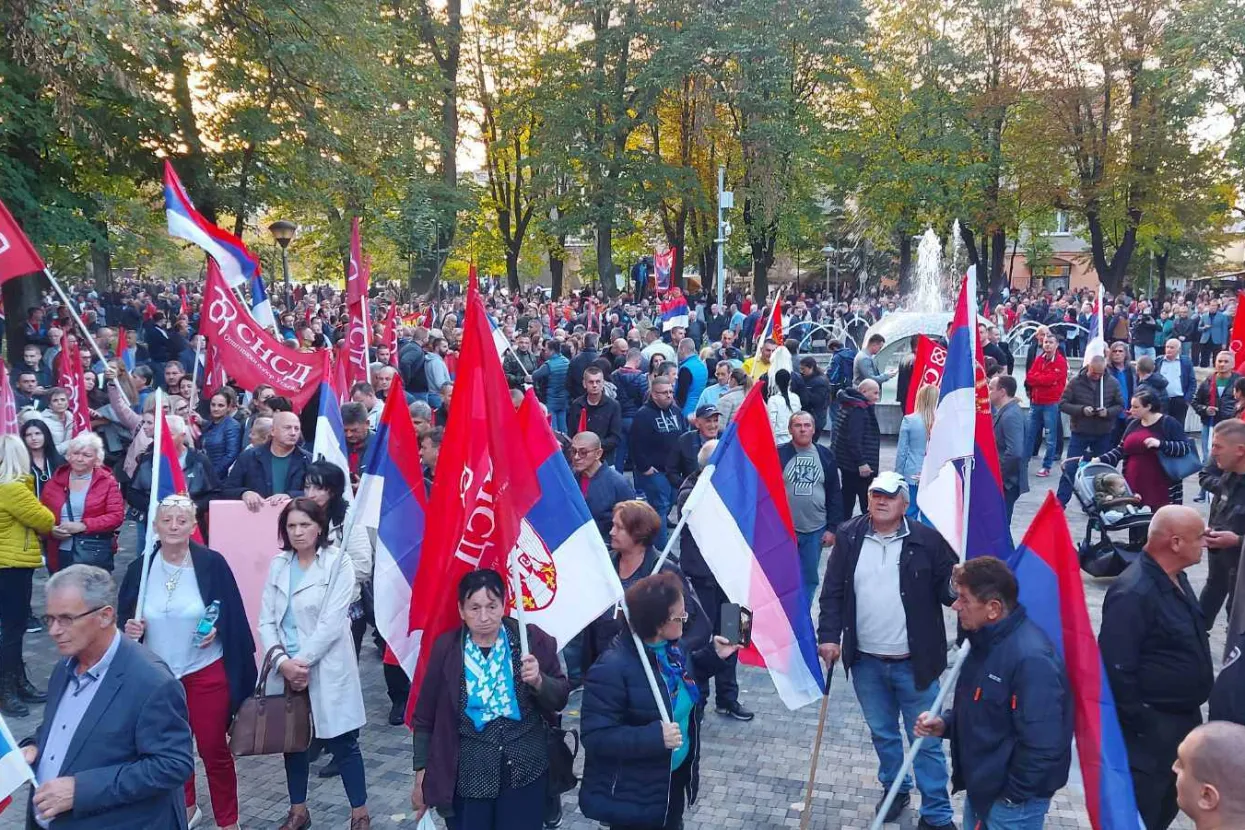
[{"x": 881, "y": 612}]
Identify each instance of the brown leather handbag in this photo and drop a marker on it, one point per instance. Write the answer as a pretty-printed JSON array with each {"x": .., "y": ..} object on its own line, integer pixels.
[{"x": 271, "y": 724}]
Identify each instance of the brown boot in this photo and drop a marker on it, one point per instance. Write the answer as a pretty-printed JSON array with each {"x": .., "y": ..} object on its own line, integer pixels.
[
  {"x": 361, "y": 823},
  {"x": 298, "y": 818}
]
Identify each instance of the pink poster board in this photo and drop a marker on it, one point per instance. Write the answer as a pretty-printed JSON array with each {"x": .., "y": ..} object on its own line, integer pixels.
[{"x": 248, "y": 541}]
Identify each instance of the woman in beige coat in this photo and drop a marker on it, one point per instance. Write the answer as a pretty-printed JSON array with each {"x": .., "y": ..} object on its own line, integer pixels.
[{"x": 306, "y": 611}]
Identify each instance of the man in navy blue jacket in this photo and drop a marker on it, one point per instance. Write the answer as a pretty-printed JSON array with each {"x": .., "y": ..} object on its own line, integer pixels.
[
  {"x": 654, "y": 435},
  {"x": 1011, "y": 724}
]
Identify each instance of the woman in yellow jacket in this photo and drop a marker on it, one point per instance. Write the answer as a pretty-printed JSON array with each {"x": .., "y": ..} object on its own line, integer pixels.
[{"x": 23, "y": 519}]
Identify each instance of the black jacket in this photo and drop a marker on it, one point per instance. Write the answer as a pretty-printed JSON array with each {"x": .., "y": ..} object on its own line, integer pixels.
[
  {"x": 830, "y": 472},
  {"x": 575, "y": 373},
  {"x": 816, "y": 398},
  {"x": 857, "y": 438},
  {"x": 1225, "y": 404},
  {"x": 631, "y": 386},
  {"x": 253, "y": 471},
  {"x": 412, "y": 369},
  {"x": 654, "y": 433},
  {"x": 201, "y": 482},
  {"x": 683, "y": 459},
  {"x": 605, "y": 419},
  {"x": 1011, "y": 724},
  {"x": 233, "y": 632},
  {"x": 691, "y": 561},
  {"x": 1227, "y": 698},
  {"x": 606, "y": 489},
  {"x": 925, "y": 566},
  {"x": 1001, "y": 352},
  {"x": 1154, "y": 646}
]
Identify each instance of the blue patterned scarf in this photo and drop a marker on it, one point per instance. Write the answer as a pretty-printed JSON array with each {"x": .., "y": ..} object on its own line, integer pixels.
[
  {"x": 490, "y": 682},
  {"x": 674, "y": 669}
]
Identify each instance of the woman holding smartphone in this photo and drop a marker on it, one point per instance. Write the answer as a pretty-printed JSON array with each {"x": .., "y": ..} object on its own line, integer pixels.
[
  {"x": 216, "y": 662},
  {"x": 641, "y": 773},
  {"x": 305, "y": 610}
]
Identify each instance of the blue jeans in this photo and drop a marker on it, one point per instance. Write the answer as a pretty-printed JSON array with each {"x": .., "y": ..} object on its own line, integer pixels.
[
  {"x": 1003, "y": 815},
  {"x": 345, "y": 749},
  {"x": 886, "y": 691},
  {"x": 1143, "y": 351},
  {"x": 573, "y": 654},
  {"x": 1044, "y": 417},
  {"x": 1077, "y": 445},
  {"x": 657, "y": 492},
  {"x": 620, "y": 454},
  {"x": 809, "y": 547},
  {"x": 559, "y": 420}
]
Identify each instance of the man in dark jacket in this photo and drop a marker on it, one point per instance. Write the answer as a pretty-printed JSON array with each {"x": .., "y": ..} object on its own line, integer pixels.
[
  {"x": 881, "y": 612},
  {"x": 1214, "y": 402},
  {"x": 1093, "y": 403},
  {"x": 580, "y": 362},
  {"x": 594, "y": 411},
  {"x": 520, "y": 362},
  {"x": 1009, "y": 437},
  {"x": 1157, "y": 657},
  {"x": 412, "y": 365},
  {"x": 857, "y": 443},
  {"x": 816, "y": 394},
  {"x": 1224, "y": 478},
  {"x": 654, "y": 434},
  {"x": 273, "y": 472},
  {"x": 602, "y": 485},
  {"x": 682, "y": 461},
  {"x": 1011, "y": 724},
  {"x": 630, "y": 389}
]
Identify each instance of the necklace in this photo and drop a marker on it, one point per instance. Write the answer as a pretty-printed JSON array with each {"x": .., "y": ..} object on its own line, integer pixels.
[{"x": 171, "y": 580}]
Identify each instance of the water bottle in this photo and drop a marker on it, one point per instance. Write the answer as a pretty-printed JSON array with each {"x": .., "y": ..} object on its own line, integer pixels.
[{"x": 207, "y": 622}]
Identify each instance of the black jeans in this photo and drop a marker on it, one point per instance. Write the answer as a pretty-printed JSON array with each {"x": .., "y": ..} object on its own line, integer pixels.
[
  {"x": 1221, "y": 568},
  {"x": 855, "y": 490},
  {"x": 1178, "y": 408},
  {"x": 711, "y": 600},
  {"x": 1150, "y": 762},
  {"x": 15, "y": 587}
]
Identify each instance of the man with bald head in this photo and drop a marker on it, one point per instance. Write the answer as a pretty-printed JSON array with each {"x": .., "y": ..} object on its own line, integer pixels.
[
  {"x": 271, "y": 473},
  {"x": 1210, "y": 776},
  {"x": 1157, "y": 655},
  {"x": 602, "y": 485}
]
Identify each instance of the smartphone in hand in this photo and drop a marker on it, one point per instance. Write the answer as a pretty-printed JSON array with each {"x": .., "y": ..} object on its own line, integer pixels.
[{"x": 736, "y": 624}]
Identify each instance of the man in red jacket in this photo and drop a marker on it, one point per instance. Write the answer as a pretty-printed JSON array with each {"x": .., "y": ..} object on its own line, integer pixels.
[{"x": 1046, "y": 379}]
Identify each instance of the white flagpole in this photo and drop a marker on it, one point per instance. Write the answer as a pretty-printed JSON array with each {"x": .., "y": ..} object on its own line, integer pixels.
[
  {"x": 86, "y": 335},
  {"x": 153, "y": 503},
  {"x": 516, "y": 581},
  {"x": 1102, "y": 332},
  {"x": 648, "y": 669}
]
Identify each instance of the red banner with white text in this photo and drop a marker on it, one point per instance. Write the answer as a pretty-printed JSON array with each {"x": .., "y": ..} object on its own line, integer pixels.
[
  {"x": 357, "y": 330},
  {"x": 249, "y": 354},
  {"x": 930, "y": 360},
  {"x": 73, "y": 379},
  {"x": 17, "y": 255}
]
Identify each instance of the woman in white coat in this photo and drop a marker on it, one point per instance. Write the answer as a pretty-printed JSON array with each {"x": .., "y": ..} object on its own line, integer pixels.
[{"x": 305, "y": 610}]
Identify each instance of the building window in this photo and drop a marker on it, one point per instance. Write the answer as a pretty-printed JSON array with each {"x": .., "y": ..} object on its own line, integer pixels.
[{"x": 1061, "y": 221}]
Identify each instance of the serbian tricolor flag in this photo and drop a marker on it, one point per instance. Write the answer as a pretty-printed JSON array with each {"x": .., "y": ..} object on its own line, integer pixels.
[
  {"x": 674, "y": 311},
  {"x": 565, "y": 571},
  {"x": 963, "y": 430},
  {"x": 73, "y": 379},
  {"x": 475, "y": 511},
  {"x": 330, "y": 441},
  {"x": 739, "y": 516},
  {"x": 1049, "y": 575},
  {"x": 773, "y": 327},
  {"x": 14, "y": 771},
  {"x": 237, "y": 264},
  {"x": 167, "y": 478},
  {"x": 392, "y": 502},
  {"x": 17, "y": 255}
]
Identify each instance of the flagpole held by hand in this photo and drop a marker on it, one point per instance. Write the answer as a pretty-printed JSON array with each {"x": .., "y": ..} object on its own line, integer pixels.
[
  {"x": 806, "y": 814},
  {"x": 516, "y": 582},
  {"x": 86, "y": 335},
  {"x": 648, "y": 668}
]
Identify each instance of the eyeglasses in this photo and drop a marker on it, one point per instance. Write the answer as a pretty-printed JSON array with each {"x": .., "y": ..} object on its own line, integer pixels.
[
  {"x": 66, "y": 620},
  {"x": 583, "y": 450},
  {"x": 679, "y": 618}
]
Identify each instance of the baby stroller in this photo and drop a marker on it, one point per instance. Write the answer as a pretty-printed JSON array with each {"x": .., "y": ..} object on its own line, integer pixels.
[{"x": 1106, "y": 557}]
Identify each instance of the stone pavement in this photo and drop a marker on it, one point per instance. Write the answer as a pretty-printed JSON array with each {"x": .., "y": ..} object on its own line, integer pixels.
[{"x": 753, "y": 775}]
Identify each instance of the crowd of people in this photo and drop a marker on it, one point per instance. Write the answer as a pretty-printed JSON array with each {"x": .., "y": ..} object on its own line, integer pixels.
[{"x": 639, "y": 407}]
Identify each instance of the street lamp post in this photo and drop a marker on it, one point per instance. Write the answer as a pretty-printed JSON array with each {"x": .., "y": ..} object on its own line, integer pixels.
[{"x": 283, "y": 232}]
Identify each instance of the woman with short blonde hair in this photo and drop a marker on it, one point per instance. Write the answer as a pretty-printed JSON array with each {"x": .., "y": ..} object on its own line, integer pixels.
[{"x": 86, "y": 499}]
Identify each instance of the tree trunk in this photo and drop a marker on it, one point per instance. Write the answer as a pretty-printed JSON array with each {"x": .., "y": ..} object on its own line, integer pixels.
[
  {"x": 762, "y": 261},
  {"x": 605, "y": 256},
  {"x": 905, "y": 263},
  {"x": 19, "y": 295},
  {"x": 557, "y": 266},
  {"x": 512, "y": 269},
  {"x": 1160, "y": 265},
  {"x": 998, "y": 251}
]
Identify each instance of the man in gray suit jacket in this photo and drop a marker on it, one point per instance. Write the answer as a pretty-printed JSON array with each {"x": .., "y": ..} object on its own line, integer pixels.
[
  {"x": 1009, "y": 436},
  {"x": 114, "y": 749}
]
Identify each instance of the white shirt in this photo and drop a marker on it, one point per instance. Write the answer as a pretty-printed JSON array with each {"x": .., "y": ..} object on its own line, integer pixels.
[
  {"x": 881, "y": 624},
  {"x": 172, "y": 618},
  {"x": 1170, "y": 369}
]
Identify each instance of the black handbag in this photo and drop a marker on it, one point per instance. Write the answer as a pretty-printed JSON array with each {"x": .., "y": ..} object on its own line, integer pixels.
[
  {"x": 1178, "y": 468},
  {"x": 562, "y": 777},
  {"x": 96, "y": 549}
]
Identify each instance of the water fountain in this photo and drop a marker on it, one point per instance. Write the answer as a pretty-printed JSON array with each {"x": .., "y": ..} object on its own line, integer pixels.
[{"x": 930, "y": 304}]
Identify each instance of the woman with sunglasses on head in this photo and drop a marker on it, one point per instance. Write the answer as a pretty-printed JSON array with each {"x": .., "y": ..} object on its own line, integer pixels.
[
  {"x": 217, "y": 670},
  {"x": 22, "y": 521},
  {"x": 481, "y": 752},
  {"x": 305, "y": 611},
  {"x": 641, "y": 773}
]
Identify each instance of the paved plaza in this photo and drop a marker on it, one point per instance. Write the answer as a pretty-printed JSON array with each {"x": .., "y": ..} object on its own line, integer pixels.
[{"x": 753, "y": 775}]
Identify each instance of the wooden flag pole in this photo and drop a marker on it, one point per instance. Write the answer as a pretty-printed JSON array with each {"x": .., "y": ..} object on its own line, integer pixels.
[{"x": 806, "y": 814}]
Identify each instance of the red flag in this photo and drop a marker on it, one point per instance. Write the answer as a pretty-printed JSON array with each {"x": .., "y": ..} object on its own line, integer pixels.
[
  {"x": 390, "y": 334},
  {"x": 339, "y": 375},
  {"x": 8, "y": 404},
  {"x": 1236, "y": 343},
  {"x": 553, "y": 323},
  {"x": 185, "y": 308},
  {"x": 73, "y": 379},
  {"x": 17, "y": 255},
  {"x": 487, "y": 487},
  {"x": 356, "y": 304},
  {"x": 250, "y": 354},
  {"x": 214, "y": 378},
  {"x": 473, "y": 280},
  {"x": 927, "y": 365}
]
